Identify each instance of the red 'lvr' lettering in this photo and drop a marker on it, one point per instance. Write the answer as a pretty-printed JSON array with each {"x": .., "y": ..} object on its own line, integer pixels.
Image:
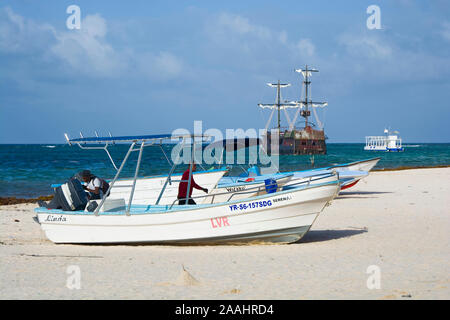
[{"x": 219, "y": 222}]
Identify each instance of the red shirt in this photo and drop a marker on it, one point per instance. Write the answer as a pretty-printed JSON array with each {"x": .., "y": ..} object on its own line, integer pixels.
[{"x": 182, "y": 187}]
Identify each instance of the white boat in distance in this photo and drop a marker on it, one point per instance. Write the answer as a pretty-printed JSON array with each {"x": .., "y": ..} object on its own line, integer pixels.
[
  {"x": 390, "y": 142},
  {"x": 283, "y": 216}
]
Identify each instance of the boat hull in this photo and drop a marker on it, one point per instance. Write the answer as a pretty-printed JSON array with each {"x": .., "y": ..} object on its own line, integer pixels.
[
  {"x": 279, "y": 217},
  {"x": 347, "y": 178},
  {"x": 363, "y": 165},
  {"x": 304, "y": 141}
]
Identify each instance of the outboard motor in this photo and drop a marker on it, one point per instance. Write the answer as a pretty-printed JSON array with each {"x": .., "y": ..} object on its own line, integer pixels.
[{"x": 71, "y": 196}]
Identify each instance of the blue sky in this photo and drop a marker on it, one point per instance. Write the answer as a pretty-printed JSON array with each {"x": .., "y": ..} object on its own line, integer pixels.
[{"x": 149, "y": 67}]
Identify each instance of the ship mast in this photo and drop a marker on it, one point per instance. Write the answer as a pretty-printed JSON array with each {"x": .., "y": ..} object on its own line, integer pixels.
[
  {"x": 279, "y": 102},
  {"x": 308, "y": 102},
  {"x": 278, "y": 105}
]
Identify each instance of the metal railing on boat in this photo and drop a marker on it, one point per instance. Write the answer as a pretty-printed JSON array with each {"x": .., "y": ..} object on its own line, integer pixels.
[
  {"x": 145, "y": 141},
  {"x": 262, "y": 188}
]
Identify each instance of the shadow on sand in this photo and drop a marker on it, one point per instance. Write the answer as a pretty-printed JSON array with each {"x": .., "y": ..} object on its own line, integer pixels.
[
  {"x": 358, "y": 194},
  {"x": 353, "y": 193},
  {"x": 325, "y": 235}
]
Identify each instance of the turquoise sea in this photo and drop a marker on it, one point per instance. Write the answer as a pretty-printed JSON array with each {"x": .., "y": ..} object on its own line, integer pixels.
[{"x": 29, "y": 170}]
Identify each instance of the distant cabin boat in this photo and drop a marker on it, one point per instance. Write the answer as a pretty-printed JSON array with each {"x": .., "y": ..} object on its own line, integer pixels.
[{"x": 389, "y": 142}]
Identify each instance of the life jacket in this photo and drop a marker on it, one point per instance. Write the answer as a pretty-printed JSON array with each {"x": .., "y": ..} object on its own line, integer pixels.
[{"x": 104, "y": 186}]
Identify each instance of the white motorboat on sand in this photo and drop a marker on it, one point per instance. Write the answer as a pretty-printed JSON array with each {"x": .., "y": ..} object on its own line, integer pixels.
[{"x": 282, "y": 216}]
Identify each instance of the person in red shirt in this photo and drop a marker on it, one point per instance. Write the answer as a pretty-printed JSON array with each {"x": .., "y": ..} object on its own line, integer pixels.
[{"x": 182, "y": 187}]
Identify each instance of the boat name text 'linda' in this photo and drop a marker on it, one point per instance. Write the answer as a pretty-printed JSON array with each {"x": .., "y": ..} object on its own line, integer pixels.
[{"x": 52, "y": 218}]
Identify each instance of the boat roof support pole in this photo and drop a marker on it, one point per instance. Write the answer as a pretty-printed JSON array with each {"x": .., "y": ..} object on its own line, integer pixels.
[
  {"x": 278, "y": 104},
  {"x": 110, "y": 158},
  {"x": 222, "y": 156},
  {"x": 165, "y": 155},
  {"x": 100, "y": 148},
  {"x": 218, "y": 161},
  {"x": 168, "y": 176},
  {"x": 114, "y": 180},
  {"x": 135, "y": 177},
  {"x": 190, "y": 169}
]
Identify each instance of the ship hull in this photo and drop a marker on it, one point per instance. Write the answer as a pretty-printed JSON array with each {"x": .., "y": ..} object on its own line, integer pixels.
[{"x": 306, "y": 141}]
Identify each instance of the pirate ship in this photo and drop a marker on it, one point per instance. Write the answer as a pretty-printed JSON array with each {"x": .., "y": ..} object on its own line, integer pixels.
[{"x": 309, "y": 139}]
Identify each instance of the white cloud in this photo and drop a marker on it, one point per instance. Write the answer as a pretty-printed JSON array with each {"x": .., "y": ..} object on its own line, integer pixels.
[
  {"x": 238, "y": 33},
  {"x": 445, "y": 32},
  {"x": 225, "y": 27},
  {"x": 86, "y": 50},
  {"x": 168, "y": 64},
  {"x": 12, "y": 27},
  {"x": 163, "y": 65},
  {"x": 306, "y": 47},
  {"x": 20, "y": 35},
  {"x": 382, "y": 57},
  {"x": 283, "y": 37},
  {"x": 242, "y": 25},
  {"x": 366, "y": 46}
]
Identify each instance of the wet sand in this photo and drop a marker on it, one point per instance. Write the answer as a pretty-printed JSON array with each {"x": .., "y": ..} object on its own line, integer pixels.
[{"x": 397, "y": 221}]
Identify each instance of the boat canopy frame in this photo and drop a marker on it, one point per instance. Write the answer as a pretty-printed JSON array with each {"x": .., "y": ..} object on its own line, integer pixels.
[
  {"x": 144, "y": 141},
  {"x": 150, "y": 140}
]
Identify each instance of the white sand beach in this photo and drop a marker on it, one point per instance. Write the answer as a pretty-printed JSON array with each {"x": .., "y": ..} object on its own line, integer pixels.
[{"x": 398, "y": 221}]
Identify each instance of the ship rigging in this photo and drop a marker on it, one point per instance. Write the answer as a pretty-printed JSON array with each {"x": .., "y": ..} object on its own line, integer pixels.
[{"x": 292, "y": 140}]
